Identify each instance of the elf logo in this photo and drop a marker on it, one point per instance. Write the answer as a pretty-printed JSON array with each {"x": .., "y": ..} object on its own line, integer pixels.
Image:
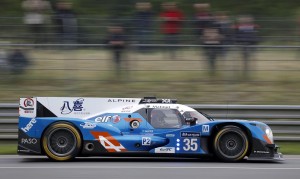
[{"x": 103, "y": 119}]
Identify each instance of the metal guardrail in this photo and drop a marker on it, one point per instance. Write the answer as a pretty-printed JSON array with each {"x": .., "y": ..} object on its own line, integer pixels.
[{"x": 283, "y": 119}]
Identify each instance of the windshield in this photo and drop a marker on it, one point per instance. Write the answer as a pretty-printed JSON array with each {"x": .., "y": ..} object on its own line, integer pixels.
[{"x": 200, "y": 116}]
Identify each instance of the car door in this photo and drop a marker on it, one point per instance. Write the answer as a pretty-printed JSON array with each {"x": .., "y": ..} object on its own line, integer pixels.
[{"x": 170, "y": 123}]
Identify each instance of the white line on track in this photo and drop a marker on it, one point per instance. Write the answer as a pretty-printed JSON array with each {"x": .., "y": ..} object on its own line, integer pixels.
[
  {"x": 287, "y": 157},
  {"x": 149, "y": 167}
]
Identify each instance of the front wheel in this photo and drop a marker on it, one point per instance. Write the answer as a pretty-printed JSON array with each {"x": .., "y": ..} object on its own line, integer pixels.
[
  {"x": 61, "y": 142},
  {"x": 231, "y": 144}
]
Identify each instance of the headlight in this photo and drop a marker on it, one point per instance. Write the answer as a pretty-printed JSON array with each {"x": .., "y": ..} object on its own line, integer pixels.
[{"x": 269, "y": 134}]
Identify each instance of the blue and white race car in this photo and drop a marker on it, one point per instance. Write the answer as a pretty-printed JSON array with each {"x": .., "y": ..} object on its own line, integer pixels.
[{"x": 63, "y": 128}]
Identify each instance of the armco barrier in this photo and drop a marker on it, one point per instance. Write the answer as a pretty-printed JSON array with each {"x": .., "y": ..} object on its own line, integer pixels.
[{"x": 283, "y": 119}]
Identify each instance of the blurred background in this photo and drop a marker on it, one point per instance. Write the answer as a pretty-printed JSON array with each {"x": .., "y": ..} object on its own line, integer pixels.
[
  {"x": 200, "y": 52},
  {"x": 208, "y": 52}
]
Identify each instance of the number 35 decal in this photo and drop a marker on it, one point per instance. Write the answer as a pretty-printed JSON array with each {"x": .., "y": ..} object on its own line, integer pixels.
[{"x": 190, "y": 144}]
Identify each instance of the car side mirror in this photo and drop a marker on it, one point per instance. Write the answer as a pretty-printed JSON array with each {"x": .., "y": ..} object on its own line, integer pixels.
[{"x": 191, "y": 120}]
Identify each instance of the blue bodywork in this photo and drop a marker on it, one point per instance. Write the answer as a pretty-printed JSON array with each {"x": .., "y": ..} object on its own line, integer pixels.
[{"x": 120, "y": 137}]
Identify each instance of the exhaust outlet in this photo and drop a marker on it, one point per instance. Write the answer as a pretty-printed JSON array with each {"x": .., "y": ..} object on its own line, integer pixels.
[{"x": 89, "y": 146}]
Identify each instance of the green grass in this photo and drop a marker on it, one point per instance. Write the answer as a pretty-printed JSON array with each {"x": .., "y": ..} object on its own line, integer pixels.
[
  {"x": 285, "y": 148},
  {"x": 90, "y": 73},
  {"x": 289, "y": 148},
  {"x": 6, "y": 149}
]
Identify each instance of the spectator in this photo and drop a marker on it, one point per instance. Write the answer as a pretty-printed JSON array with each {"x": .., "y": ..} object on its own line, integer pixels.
[
  {"x": 245, "y": 35},
  {"x": 224, "y": 25},
  {"x": 117, "y": 43},
  {"x": 3, "y": 60},
  {"x": 18, "y": 61},
  {"x": 203, "y": 17},
  {"x": 143, "y": 24},
  {"x": 171, "y": 25},
  {"x": 211, "y": 38},
  {"x": 66, "y": 22},
  {"x": 35, "y": 17}
]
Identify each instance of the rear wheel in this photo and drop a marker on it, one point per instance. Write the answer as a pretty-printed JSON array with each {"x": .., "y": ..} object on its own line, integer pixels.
[
  {"x": 61, "y": 142},
  {"x": 231, "y": 144}
]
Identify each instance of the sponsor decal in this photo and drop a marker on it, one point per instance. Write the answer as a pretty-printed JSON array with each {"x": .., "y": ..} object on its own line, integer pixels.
[
  {"x": 103, "y": 119},
  {"x": 165, "y": 150},
  {"x": 146, "y": 141},
  {"x": 121, "y": 100},
  {"x": 149, "y": 100},
  {"x": 148, "y": 131},
  {"x": 261, "y": 152},
  {"x": 88, "y": 125},
  {"x": 127, "y": 109},
  {"x": 166, "y": 100},
  {"x": 205, "y": 128},
  {"x": 108, "y": 142},
  {"x": 77, "y": 107},
  {"x": 28, "y": 141},
  {"x": 161, "y": 107},
  {"x": 170, "y": 135},
  {"x": 29, "y": 125},
  {"x": 28, "y": 105},
  {"x": 190, "y": 134},
  {"x": 29, "y": 111},
  {"x": 28, "y": 102},
  {"x": 116, "y": 119}
]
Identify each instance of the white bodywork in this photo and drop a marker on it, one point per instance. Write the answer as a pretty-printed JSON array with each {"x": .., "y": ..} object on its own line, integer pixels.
[
  {"x": 84, "y": 107},
  {"x": 77, "y": 107}
]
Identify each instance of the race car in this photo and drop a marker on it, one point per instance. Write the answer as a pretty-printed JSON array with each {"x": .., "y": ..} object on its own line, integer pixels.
[{"x": 66, "y": 127}]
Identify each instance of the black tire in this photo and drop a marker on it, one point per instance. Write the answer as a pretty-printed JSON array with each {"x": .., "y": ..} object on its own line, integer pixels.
[
  {"x": 61, "y": 142},
  {"x": 231, "y": 144}
]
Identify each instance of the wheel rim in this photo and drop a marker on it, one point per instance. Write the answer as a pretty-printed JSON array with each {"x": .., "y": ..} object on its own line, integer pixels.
[
  {"x": 232, "y": 144},
  {"x": 61, "y": 142}
]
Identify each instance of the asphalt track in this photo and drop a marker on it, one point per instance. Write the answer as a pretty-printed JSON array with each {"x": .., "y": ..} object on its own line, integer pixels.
[{"x": 24, "y": 167}]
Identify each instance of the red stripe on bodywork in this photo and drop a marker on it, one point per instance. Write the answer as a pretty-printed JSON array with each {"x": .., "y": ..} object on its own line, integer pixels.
[{"x": 111, "y": 139}]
